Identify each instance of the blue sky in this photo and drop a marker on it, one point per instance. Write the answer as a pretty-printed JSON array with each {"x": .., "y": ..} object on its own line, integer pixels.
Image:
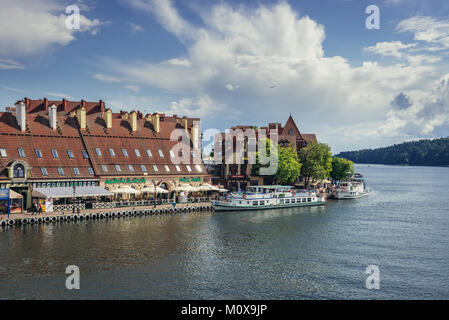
[{"x": 353, "y": 87}]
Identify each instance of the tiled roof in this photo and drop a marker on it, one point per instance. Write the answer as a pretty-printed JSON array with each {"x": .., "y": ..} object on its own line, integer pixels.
[{"x": 68, "y": 136}]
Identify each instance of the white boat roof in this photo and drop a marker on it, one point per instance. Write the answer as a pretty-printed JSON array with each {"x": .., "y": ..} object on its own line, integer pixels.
[{"x": 272, "y": 187}]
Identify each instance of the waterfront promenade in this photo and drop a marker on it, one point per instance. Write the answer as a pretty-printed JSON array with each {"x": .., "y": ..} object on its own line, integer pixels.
[{"x": 158, "y": 210}]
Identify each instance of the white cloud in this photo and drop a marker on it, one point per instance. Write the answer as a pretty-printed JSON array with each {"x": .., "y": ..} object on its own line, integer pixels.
[
  {"x": 268, "y": 45},
  {"x": 427, "y": 29},
  {"x": 13, "y": 89},
  {"x": 392, "y": 48},
  {"x": 135, "y": 28},
  {"x": 103, "y": 78},
  {"x": 30, "y": 27},
  {"x": 179, "y": 62},
  {"x": 231, "y": 87},
  {"x": 201, "y": 106},
  {"x": 57, "y": 95},
  {"x": 132, "y": 88},
  {"x": 6, "y": 64}
]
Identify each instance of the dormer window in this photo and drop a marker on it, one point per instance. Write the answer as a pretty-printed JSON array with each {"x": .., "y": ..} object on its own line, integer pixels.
[
  {"x": 21, "y": 153},
  {"x": 290, "y": 132},
  {"x": 19, "y": 171}
]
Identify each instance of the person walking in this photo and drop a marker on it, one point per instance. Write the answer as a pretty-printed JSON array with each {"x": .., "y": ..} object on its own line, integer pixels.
[{"x": 40, "y": 208}]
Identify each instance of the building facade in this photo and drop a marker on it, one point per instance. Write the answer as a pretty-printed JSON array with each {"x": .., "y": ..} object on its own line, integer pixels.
[
  {"x": 65, "y": 144},
  {"x": 237, "y": 176}
]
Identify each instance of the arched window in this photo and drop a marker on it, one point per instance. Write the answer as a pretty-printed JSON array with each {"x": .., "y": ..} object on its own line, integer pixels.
[{"x": 19, "y": 171}]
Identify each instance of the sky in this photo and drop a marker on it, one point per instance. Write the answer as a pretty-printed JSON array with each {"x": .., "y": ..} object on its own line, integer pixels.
[{"x": 241, "y": 62}]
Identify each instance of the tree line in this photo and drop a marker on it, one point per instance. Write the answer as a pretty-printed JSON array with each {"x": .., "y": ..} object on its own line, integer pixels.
[
  {"x": 314, "y": 162},
  {"x": 415, "y": 153}
]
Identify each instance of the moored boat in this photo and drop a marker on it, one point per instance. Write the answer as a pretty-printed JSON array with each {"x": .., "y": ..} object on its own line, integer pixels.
[
  {"x": 352, "y": 189},
  {"x": 268, "y": 197}
]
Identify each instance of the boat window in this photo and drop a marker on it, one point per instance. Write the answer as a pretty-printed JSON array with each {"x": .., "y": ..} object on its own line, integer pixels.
[
  {"x": 281, "y": 201},
  {"x": 309, "y": 200},
  {"x": 303, "y": 199},
  {"x": 262, "y": 203},
  {"x": 255, "y": 203}
]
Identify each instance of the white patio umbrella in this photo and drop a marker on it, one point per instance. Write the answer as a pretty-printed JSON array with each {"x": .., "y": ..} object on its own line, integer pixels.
[
  {"x": 186, "y": 188},
  {"x": 128, "y": 190},
  {"x": 223, "y": 190},
  {"x": 207, "y": 187},
  {"x": 151, "y": 190}
]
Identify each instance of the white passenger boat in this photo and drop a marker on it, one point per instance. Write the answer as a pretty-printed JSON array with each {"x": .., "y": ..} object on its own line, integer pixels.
[
  {"x": 268, "y": 197},
  {"x": 352, "y": 189}
]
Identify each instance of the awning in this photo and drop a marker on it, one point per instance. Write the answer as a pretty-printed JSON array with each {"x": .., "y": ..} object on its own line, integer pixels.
[
  {"x": 67, "y": 192},
  {"x": 14, "y": 195}
]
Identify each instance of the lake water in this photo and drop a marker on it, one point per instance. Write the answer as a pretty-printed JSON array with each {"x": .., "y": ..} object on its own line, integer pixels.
[{"x": 302, "y": 253}]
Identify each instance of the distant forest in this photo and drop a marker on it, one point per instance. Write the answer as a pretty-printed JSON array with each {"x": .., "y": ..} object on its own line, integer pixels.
[{"x": 416, "y": 153}]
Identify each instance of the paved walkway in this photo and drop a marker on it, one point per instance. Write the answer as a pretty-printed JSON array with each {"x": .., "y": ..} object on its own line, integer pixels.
[{"x": 55, "y": 214}]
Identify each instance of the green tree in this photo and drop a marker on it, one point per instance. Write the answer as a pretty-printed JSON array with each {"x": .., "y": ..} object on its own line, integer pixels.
[
  {"x": 316, "y": 161},
  {"x": 341, "y": 169},
  {"x": 289, "y": 167}
]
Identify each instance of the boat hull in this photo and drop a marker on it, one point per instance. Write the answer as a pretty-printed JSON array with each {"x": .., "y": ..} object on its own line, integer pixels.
[
  {"x": 223, "y": 207},
  {"x": 349, "y": 197}
]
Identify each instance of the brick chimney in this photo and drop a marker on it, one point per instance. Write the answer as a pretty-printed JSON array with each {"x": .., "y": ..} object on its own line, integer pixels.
[
  {"x": 46, "y": 104},
  {"x": 21, "y": 114},
  {"x": 64, "y": 104}
]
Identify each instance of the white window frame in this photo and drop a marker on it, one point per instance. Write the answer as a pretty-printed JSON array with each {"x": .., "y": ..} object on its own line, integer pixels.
[
  {"x": 38, "y": 153},
  {"x": 76, "y": 171},
  {"x": 61, "y": 172},
  {"x": 98, "y": 152},
  {"x": 178, "y": 168},
  {"x": 55, "y": 154},
  {"x": 188, "y": 168},
  {"x": 143, "y": 168},
  {"x": 112, "y": 152},
  {"x": 118, "y": 168},
  {"x": 198, "y": 168},
  {"x": 21, "y": 152},
  {"x": 85, "y": 154},
  {"x": 70, "y": 152},
  {"x": 167, "y": 168},
  {"x": 104, "y": 168},
  {"x": 44, "y": 171},
  {"x": 149, "y": 154},
  {"x": 131, "y": 168},
  {"x": 161, "y": 154},
  {"x": 155, "y": 168},
  {"x": 125, "y": 153},
  {"x": 137, "y": 152},
  {"x": 91, "y": 171},
  {"x": 3, "y": 153}
]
